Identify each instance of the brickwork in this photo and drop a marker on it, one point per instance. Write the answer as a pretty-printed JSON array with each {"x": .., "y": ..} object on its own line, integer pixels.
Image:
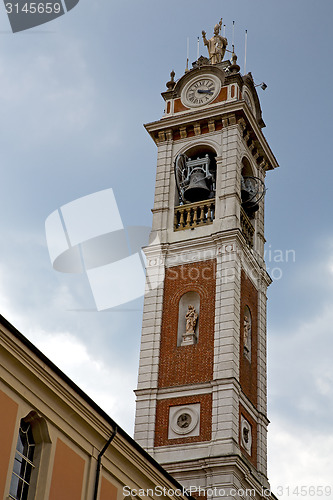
[
  {"x": 223, "y": 95},
  {"x": 178, "y": 106},
  {"x": 181, "y": 365},
  {"x": 249, "y": 370},
  {"x": 162, "y": 419}
]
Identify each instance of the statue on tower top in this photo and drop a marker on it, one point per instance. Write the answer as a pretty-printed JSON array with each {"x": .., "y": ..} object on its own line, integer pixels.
[{"x": 216, "y": 45}]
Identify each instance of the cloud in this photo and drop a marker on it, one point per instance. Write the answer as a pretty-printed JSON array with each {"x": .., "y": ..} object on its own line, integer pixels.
[
  {"x": 51, "y": 88},
  {"x": 299, "y": 457},
  {"x": 301, "y": 371},
  {"x": 95, "y": 350},
  {"x": 108, "y": 385},
  {"x": 300, "y": 393}
]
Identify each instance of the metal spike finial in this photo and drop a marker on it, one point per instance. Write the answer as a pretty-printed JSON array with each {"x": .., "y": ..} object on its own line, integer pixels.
[
  {"x": 245, "y": 54},
  {"x": 188, "y": 55}
]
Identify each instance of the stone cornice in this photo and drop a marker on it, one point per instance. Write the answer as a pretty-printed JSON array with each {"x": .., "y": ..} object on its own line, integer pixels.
[
  {"x": 207, "y": 248},
  {"x": 184, "y": 390},
  {"x": 222, "y": 464},
  {"x": 208, "y": 121},
  {"x": 191, "y": 116}
]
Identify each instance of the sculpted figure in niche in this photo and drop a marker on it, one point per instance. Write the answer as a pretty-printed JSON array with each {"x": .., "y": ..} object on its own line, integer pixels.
[
  {"x": 191, "y": 320},
  {"x": 247, "y": 332},
  {"x": 246, "y": 434},
  {"x": 216, "y": 45}
]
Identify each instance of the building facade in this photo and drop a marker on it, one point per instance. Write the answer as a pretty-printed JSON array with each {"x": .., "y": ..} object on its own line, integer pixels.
[{"x": 201, "y": 395}]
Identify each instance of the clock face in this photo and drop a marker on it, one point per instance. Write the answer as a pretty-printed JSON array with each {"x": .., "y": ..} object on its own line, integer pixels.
[
  {"x": 200, "y": 91},
  {"x": 248, "y": 99}
]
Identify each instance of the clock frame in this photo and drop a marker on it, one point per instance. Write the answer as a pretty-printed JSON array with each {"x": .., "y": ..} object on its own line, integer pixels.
[{"x": 200, "y": 91}]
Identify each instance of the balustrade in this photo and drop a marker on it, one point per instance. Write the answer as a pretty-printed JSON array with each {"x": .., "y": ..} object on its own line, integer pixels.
[{"x": 193, "y": 215}]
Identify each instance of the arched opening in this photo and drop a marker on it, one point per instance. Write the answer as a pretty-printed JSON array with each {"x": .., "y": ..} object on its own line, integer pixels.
[
  {"x": 252, "y": 189},
  {"x": 246, "y": 168},
  {"x": 195, "y": 172}
]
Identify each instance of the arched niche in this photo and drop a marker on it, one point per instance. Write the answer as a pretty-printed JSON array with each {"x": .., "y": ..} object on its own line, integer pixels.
[
  {"x": 247, "y": 169},
  {"x": 200, "y": 149},
  {"x": 249, "y": 188},
  {"x": 247, "y": 333},
  {"x": 191, "y": 155},
  {"x": 188, "y": 319}
]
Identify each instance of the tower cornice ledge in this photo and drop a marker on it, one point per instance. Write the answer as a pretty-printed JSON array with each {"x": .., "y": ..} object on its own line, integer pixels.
[
  {"x": 223, "y": 238},
  {"x": 239, "y": 110},
  {"x": 145, "y": 392}
]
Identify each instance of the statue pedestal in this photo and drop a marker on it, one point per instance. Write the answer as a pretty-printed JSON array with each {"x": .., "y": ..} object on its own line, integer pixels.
[{"x": 188, "y": 339}]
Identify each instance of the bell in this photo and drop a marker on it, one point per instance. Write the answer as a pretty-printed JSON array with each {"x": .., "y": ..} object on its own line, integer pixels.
[
  {"x": 197, "y": 189},
  {"x": 249, "y": 194}
]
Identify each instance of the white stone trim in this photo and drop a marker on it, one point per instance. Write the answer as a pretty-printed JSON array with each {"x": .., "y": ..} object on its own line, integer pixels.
[{"x": 184, "y": 421}]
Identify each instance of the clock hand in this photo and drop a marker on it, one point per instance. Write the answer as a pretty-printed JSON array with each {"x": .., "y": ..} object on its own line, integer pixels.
[{"x": 201, "y": 91}]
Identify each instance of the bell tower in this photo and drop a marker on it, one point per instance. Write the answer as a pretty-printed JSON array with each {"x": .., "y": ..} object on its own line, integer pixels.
[{"x": 201, "y": 395}]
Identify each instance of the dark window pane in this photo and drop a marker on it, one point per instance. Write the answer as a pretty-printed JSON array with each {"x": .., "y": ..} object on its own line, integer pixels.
[
  {"x": 30, "y": 454},
  {"x": 22, "y": 469},
  {"x": 14, "y": 485},
  {"x": 20, "y": 443},
  {"x": 19, "y": 489},
  {"x": 25, "y": 492},
  {"x": 17, "y": 464},
  {"x": 27, "y": 474}
]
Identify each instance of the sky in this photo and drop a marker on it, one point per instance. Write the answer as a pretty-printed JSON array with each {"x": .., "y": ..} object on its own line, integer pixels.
[{"x": 75, "y": 94}]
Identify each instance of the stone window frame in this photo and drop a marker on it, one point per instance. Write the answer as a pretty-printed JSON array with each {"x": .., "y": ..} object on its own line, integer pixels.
[{"x": 40, "y": 459}]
